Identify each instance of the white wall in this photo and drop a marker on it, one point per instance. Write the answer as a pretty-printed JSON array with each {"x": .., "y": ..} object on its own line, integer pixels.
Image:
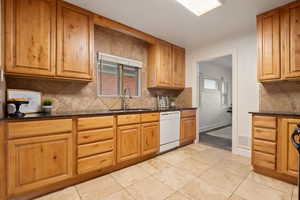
[
  {"x": 245, "y": 86},
  {"x": 210, "y": 103}
]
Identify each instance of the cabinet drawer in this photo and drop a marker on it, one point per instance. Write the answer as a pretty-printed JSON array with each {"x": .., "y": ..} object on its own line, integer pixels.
[
  {"x": 264, "y": 121},
  {"x": 95, "y": 122},
  {"x": 264, "y": 160},
  {"x": 188, "y": 113},
  {"x": 264, "y": 146},
  {"x": 85, "y": 137},
  {"x": 95, "y": 148},
  {"x": 96, "y": 162},
  {"x": 37, "y": 128},
  {"x": 150, "y": 117},
  {"x": 129, "y": 119},
  {"x": 264, "y": 134}
]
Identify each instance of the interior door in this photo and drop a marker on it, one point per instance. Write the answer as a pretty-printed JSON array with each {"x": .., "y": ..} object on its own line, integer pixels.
[
  {"x": 268, "y": 38},
  {"x": 75, "y": 31},
  {"x": 30, "y": 37},
  {"x": 290, "y": 40},
  {"x": 287, "y": 154}
]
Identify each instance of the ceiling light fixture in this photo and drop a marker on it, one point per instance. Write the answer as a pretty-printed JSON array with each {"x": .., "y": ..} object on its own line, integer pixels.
[{"x": 200, "y": 7}]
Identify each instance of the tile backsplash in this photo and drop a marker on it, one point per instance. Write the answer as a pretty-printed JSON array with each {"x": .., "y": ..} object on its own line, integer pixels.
[
  {"x": 79, "y": 96},
  {"x": 280, "y": 96}
]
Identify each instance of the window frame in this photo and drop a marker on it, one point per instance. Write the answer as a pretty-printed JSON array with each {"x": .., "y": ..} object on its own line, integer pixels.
[{"x": 120, "y": 80}]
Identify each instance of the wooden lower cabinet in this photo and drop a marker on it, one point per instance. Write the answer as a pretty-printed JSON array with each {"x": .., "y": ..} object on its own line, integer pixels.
[
  {"x": 40, "y": 161},
  {"x": 150, "y": 138},
  {"x": 272, "y": 151},
  {"x": 128, "y": 142},
  {"x": 287, "y": 154},
  {"x": 187, "y": 129}
]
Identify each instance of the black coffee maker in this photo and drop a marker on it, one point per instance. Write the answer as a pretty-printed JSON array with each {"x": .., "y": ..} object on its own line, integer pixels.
[{"x": 296, "y": 143}]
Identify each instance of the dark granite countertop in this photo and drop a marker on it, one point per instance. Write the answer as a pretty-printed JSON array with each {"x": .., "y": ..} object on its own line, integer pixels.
[
  {"x": 295, "y": 114},
  {"x": 93, "y": 113}
]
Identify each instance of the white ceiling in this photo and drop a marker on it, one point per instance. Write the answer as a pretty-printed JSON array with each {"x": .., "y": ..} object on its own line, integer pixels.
[{"x": 169, "y": 20}]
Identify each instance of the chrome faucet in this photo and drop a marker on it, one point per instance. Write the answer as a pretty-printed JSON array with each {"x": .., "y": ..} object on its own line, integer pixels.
[{"x": 123, "y": 98}]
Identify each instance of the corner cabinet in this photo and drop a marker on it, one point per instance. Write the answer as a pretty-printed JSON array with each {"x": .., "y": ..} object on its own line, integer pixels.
[
  {"x": 278, "y": 43},
  {"x": 30, "y": 37},
  {"x": 49, "y": 39},
  {"x": 74, "y": 42},
  {"x": 166, "y": 66}
]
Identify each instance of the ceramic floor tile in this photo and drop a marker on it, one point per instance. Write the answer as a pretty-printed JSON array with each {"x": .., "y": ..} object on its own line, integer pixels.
[
  {"x": 154, "y": 165},
  {"x": 130, "y": 175},
  {"x": 122, "y": 195},
  {"x": 174, "y": 157},
  {"x": 233, "y": 167},
  {"x": 66, "y": 194},
  {"x": 173, "y": 177},
  {"x": 236, "y": 197},
  {"x": 199, "y": 147},
  {"x": 209, "y": 156},
  {"x": 193, "y": 166},
  {"x": 150, "y": 189},
  {"x": 295, "y": 193},
  {"x": 201, "y": 190},
  {"x": 273, "y": 183},
  {"x": 178, "y": 196},
  {"x": 237, "y": 158},
  {"x": 251, "y": 190},
  {"x": 98, "y": 188},
  {"x": 222, "y": 179}
]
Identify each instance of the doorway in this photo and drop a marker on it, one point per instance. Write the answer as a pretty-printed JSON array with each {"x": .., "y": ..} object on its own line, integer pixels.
[{"x": 215, "y": 102}]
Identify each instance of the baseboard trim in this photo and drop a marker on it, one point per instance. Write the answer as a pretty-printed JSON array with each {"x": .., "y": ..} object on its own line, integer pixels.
[{"x": 242, "y": 152}]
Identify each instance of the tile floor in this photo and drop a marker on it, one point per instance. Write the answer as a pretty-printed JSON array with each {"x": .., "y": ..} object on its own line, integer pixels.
[
  {"x": 220, "y": 138},
  {"x": 194, "y": 172}
]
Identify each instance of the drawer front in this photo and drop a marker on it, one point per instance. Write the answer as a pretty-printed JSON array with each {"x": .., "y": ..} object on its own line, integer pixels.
[
  {"x": 150, "y": 117},
  {"x": 264, "y": 146},
  {"x": 264, "y": 121},
  {"x": 264, "y": 134},
  {"x": 264, "y": 160},
  {"x": 129, "y": 119},
  {"x": 95, "y": 122},
  {"x": 38, "y": 128},
  {"x": 95, "y": 148},
  {"x": 85, "y": 137},
  {"x": 188, "y": 113},
  {"x": 94, "y": 163}
]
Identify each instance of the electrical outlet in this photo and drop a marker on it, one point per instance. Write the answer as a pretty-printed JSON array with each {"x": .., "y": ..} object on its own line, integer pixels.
[{"x": 1, "y": 75}]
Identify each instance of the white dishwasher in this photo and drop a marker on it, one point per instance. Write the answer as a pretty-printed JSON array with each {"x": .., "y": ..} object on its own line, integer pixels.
[{"x": 169, "y": 130}]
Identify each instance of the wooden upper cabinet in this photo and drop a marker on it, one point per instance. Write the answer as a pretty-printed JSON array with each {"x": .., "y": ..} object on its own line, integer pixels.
[
  {"x": 75, "y": 31},
  {"x": 268, "y": 38},
  {"x": 30, "y": 37},
  {"x": 290, "y": 40},
  {"x": 40, "y": 161},
  {"x": 178, "y": 58},
  {"x": 166, "y": 66},
  {"x": 287, "y": 154}
]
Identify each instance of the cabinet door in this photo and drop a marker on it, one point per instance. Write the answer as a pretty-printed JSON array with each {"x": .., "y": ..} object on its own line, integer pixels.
[
  {"x": 128, "y": 143},
  {"x": 150, "y": 138},
  {"x": 37, "y": 162},
  {"x": 164, "y": 71},
  {"x": 290, "y": 40},
  {"x": 188, "y": 130},
  {"x": 287, "y": 155},
  {"x": 74, "y": 42},
  {"x": 268, "y": 38},
  {"x": 30, "y": 37},
  {"x": 178, "y": 57}
]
